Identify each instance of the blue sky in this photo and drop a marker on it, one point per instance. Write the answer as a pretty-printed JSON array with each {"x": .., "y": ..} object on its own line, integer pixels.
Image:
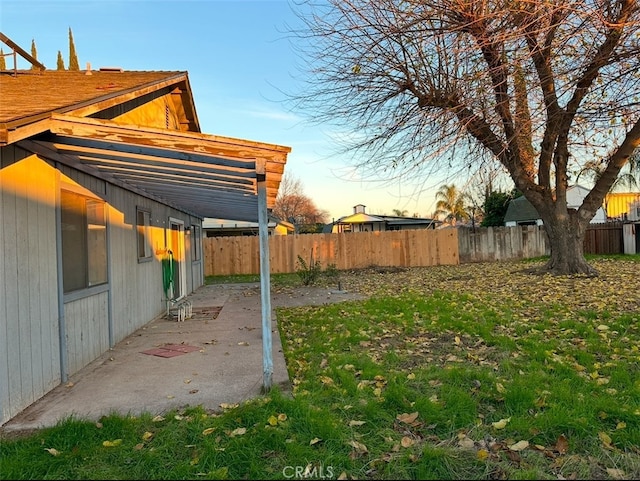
[{"x": 241, "y": 66}]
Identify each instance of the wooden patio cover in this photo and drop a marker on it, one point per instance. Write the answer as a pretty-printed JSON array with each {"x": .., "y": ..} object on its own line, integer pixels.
[{"x": 205, "y": 175}]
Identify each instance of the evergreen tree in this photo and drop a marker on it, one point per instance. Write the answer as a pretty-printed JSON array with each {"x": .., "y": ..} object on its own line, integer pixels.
[
  {"x": 3, "y": 64},
  {"x": 34, "y": 53},
  {"x": 495, "y": 208},
  {"x": 60, "y": 61},
  {"x": 73, "y": 57}
]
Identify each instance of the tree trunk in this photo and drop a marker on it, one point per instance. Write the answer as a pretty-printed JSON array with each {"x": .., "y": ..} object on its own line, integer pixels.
[{"x": 566, "y": 241}]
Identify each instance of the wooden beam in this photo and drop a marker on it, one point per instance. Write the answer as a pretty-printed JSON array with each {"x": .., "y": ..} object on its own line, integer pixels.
[
  {"x": 10, "y": 136},
  {"x": 23, "y": 53},
  {"x": 224, "y": 147}
]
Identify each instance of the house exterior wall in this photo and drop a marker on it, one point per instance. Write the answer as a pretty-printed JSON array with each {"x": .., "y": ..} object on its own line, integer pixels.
[
  {"x": 37, "y": 336},
  {"x": 29, "y": 343},
  {"x": 513, "y": 223},
  {"x": 623, "y": 205},
  {"x": 634, "y": 211},
  {"x": 159, "y": 113},
  {"x": 152, "y": 110},
  {"x": 358, "y": 227}
]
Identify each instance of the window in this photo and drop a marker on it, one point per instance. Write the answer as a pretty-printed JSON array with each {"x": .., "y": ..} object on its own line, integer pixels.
[
  {"x": 143, "y": 223},
  {"x": 195, "y": 243},
  {"x": 84, "y": 241}
]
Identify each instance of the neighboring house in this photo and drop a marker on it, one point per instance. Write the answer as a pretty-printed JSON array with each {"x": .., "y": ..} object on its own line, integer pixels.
[
  {"x": 227, "y": 227},
  {"x": 623, "y": 206},
  {"x": 360, "y": 221},
  {"x": 521, "y": 212},
  {"x": 104, "y": 181}
]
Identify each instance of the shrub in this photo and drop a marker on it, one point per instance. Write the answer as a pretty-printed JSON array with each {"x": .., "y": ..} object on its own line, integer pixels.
[{"x": 308, "y": 273}]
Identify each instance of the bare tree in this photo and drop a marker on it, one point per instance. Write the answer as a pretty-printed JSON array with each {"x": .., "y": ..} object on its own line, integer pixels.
[
  {"x": 542, "y": 87},
  {"x": 294, "y": 206}
]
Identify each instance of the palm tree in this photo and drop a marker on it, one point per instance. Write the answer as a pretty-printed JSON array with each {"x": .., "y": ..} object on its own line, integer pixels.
[
  {"x": 400, "y": 213},
  {"x": 451, "y": 204}
]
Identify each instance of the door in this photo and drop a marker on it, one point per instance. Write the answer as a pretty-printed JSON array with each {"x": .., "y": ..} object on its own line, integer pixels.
[{"x": 175, "y": 244}]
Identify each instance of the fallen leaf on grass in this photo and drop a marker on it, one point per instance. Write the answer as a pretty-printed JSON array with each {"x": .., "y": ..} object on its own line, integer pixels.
[
  {"x": 111, "y": 444},
  {"x": 407, "y": 418},
  {"x": 52, "y": 451},
  {"x": 356, "y": 423},
  {"x": 616, "y": 473},
  {"x": 359, "y": 447},
  {"x": 238, "y": 432},
  {"x": 519, "y": 446},
  {"x": 562, "y": 444},
  {"x": 407, "y": 442},
  {"x": 208, "y": 431},
  {"x": 501, "y": 424},
  {"x": 606, "y": 439},
  {"x": 326, "y": 380},
  {"x": 147, "y": 435},
  {"x": 466, "y": 442},
  {"x": 314, "y": 441}
]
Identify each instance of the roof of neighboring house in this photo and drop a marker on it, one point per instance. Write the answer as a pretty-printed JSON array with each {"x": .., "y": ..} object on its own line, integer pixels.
[
  {"x": 359, "y": 218},
  {"x": 520, "y": 210},
  {"x": 209, "y": 223},
  {"x": 410, "y": 220},
  {"x": 68, "y": 117}
]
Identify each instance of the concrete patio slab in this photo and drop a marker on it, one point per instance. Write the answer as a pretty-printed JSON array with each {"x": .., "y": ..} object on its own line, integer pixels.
[{"x": 221, "y": 360}]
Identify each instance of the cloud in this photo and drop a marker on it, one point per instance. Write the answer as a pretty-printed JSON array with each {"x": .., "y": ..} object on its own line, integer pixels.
[{"x": 271, "y": 114}]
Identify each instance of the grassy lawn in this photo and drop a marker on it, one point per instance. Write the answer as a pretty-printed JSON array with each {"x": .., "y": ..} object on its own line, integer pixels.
[{"x": 478, "y": 371}]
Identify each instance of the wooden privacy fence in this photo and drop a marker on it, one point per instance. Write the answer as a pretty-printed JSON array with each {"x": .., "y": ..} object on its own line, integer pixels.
[
  {"x": 415, "y": 247},
  {"x": 604, "y": 238},
  {"x": 405, "y": 248},
  {"x": 501, "y": 243}
]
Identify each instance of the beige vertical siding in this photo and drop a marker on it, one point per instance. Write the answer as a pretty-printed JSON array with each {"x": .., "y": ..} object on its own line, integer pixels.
[
  {"x": 87, "y": 330},
  {"x": 29, "y": 324},
  {"x": 29, "y": 345}
]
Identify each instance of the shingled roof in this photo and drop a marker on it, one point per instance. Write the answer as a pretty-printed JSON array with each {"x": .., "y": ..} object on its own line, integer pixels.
[
  {"x": 32, "y": 95},
  {"x": 521, "y": 210}
]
